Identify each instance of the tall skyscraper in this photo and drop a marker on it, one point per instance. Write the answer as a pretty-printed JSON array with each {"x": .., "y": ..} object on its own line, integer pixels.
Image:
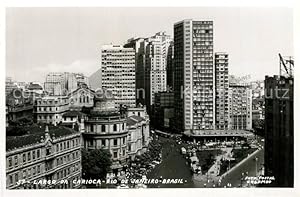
[
  {"x": 155, "y": 66},
  {"x": 139, "y": 45},
  {"x": 118, "y": 73},
  {"x": 222, "y": 86},
  {"x": 194, "y": 79},
  {"x": 151, "y": 64},
  {"x": 279, "y": 130}
]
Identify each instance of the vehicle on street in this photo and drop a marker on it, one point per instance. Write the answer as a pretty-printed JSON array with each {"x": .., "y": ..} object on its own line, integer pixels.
[{"x": 123, "y": 186}]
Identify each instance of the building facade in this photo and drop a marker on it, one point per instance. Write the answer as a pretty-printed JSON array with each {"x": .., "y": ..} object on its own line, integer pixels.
[
  {"x": 163, "y": 110},
  {"x": 194, "y": 79},
  {"x": 49, "y": 109},
  {"x": 156, "y": 54},
  {"x": 240, "y": 107},
  {"x": 106, "y": 128},
  {"x": 170, "y": 67},
  {"x": 118, "y": 73},
  {"x": 46, "y": 154},
  {"x": 9, "y": 85},
  {"x": 222, "y": 86},
  {"x": 19, "y": 105},
  {"x": 279, "y": 130},
  {"x": 62, "y": 83}
]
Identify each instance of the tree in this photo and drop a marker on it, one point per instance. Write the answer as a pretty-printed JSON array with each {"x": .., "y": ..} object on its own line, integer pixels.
[{"x": 95, "y": 163}]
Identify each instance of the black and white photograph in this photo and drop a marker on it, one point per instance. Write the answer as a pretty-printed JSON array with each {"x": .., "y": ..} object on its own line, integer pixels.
[{"x": 149, "y": 98}]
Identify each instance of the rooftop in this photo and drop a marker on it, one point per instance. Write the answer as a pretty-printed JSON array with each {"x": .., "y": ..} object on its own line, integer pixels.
[
  {"x": 219, "y": 133},
  {"x": 34, "y": 134},
  {"x": 73, "y": 114},
  {"x": 132, "y": 120}
]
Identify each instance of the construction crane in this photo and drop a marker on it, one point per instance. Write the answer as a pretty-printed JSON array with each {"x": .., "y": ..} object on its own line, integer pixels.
[{"x": 287, "y": 65}]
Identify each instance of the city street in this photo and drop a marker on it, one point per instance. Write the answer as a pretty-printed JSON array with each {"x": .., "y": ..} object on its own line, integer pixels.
[
  {"x": 174, "y": 165},
  {"x": 234, "y": 177}
]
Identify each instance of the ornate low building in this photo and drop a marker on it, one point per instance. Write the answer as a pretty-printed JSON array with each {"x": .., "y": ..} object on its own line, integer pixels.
[
  {"x": 138, "y": 125},
  {"x": 50, "y": 109},
  {"x": 105, "y": 128},
  {"x": 124, "y": 135},
  {"x": 43, "y": 155}
]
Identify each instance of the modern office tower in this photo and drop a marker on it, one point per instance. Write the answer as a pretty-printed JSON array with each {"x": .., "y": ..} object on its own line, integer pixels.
[
  {"x": 61, "y": 83},
  {"x": 43, "y": 153},
  {"x": 279, "y": 130},
  {"x": 240, "y": 107},
  {"x": 155, "y": 66},
  {"x": 222, "y": 86},
  {"x": 170, "y": 67},
  {"x": 118, "y": 73},
  {"x": 194, "y": 75}
]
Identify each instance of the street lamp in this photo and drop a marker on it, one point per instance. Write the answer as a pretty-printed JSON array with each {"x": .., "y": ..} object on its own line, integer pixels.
[{"x": 256, "y": 159}]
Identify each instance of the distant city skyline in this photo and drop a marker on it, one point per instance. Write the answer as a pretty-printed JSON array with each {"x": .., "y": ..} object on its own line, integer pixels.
[{"x": 43, "y": 40}]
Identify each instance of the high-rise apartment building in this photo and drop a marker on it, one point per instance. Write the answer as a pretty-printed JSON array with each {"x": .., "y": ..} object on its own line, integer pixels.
[
  {"x": 222, "y": 86},
  {"x": 194, "y": 75},
  {"x": 279, "y": 130},
  {"x": 118, "y": 73}
]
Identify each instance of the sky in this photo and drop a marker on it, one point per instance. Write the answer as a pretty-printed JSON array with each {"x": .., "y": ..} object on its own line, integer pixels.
[{"x": 42, "y": 40}]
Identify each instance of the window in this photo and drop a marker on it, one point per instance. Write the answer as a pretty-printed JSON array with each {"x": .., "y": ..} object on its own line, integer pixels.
[
  {"x": 91, "y": 142},
  {"x": 34, "y": 170},
  {"x": 16, "y": 160},
  {"x": 48, "y": 151},
  {"x": 103, "y": 128},
  {"x": 29, "y": 172},
  {"x": 115, "y": 142},
  {"x": 28, "y": 156},
  {"x": 38, "y": 169},
  {"x": 10, "y": 179},
  {"x": 16, "y": 177},
  {"x": 115, "y": 127},
  {"x": 33, "y": 155},
  {"x": 115, "y": 154},
  {"x": 24, "y": 158},
  {"x": 24, "y": 174},
  {"x": 103, "y": 142},
  {"x": 9, "y": 162}
]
